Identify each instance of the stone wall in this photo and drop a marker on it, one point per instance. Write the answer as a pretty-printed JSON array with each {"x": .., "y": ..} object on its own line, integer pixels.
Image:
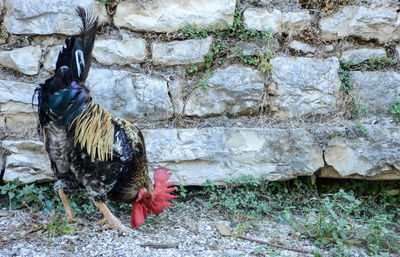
[{"x": 214, "y": 105}]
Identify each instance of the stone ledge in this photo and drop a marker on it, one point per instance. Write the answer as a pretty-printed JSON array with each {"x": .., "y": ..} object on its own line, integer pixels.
[{"x": 218, "y": 154}]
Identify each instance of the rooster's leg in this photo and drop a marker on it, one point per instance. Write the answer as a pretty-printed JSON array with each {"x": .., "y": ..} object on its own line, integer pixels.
[
  {"x": 67, "y": 205},
  {"x": 113, "y": 222}
]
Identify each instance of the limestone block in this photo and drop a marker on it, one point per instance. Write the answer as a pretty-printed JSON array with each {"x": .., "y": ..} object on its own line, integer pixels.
[
  {"x": 16, "y": 111},
  {"x": 170, "y": 15},
  {"x": 111, "y": 51},
  {"x": 48, "y": 17},
  {"x": 302, "y": 47},
  {"x": 233, "y": 90},
  {"x": 218, "y": 154},
  {"x": 357, "y": 56},
  {"x": 305, "y": 86},
  {"x": 27, "y": 162},
  {"x": 264, "y": 19},
  {"x": 376, "y": 90},
  {"x": 24, "y": 60},
  {"x": 364, "y": 22},
  {"x": 180, "y": 52},
  {"x": 376, "y": 153},
  {"x": 129, "y": 95}
]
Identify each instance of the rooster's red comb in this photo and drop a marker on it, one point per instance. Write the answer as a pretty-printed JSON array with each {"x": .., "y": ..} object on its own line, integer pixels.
[{"x": 161, "y": 191}]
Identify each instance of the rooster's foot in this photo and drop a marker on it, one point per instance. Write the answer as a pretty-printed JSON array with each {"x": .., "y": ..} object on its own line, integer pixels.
[
  {"x": 102, "y": 222},
  {"x": 75, "y": 220},
  {"x": 117, "y": 225}
]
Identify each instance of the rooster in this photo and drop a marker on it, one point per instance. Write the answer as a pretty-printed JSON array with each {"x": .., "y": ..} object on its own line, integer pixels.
[{"x": 90, "y": 148}]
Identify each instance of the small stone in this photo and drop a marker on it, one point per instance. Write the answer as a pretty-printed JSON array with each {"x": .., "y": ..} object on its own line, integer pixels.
[
  {"x": 329, "y": 48},
  {"x": 301, "y": 47}
]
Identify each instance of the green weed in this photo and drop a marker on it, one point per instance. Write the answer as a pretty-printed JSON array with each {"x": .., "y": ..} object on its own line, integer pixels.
[
  {"x": 395, "y": 110},
  {"x": 345, "y": 75},
  {"x": 58, "y": 227},
  {"x": 103, "y": 1},
  {"x": 356, "y": 110},
  {"x": 42, "y": 197},
  {"x": 192, "y": 69},
  {"x": 203, "y": 80},
  {"x": 224, "y": 38},
  {"x": 377, "y": 63},
  {"x": 247, "y": 58},
  {"x": 192, "y": 31},
  {"x": 328, "y": 214},
  {"x": 32, "y": 196}
]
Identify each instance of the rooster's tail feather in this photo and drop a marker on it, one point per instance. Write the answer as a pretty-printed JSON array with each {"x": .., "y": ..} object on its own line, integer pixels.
[{"x": 77, "y": 53}]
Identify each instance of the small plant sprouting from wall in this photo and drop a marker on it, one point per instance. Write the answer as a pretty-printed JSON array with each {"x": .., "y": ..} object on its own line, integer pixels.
[
  {"x": 345, "y": 72},
  {"x": 327, "y": 6},
  {"x": 377, "y": 63},
  {"x": 103, "y": 1},
  {"x": 225, "y": 36},
  {"x": 395, "y": 110},
  {"x": 356, "y": 110}
]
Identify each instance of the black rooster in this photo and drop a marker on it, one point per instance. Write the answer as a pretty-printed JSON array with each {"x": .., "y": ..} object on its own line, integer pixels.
[{"x": 90, "y": 148}]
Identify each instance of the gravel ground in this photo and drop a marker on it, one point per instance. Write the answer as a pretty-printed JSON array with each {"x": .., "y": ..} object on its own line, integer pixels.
[{"x": 189, "y": 225}]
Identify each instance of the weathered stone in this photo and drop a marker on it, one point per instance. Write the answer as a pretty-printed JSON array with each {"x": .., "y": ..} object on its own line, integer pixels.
[
  {"x": 329, "y": 48},
  {"x": 25, "y": 60},
  {"x": 263, "y": 19},
  {"x": 176, "y": 90},
  {"x": 376, "y": 153},
  {"x": 233, "y": 90},
  {"x": 305, "y": 86},
  {"x": 357, "y": 56},
  {"x": 111, "y": 51},
  {"x": 170, "y": 15},
  {"x": 181, "y": 52},
  {"x": 16, "y": 111},
  {"x": 129, "y": 95},
  {"x": 301, "y": 47},
  {"x": 50, "y": 60},
  {"x": 376, "y": 90},
  {"x": 218, "y": 154},
  {"x": 46, "y": 17},
  {"x": 27, "y": 161},
  {"x": 398, "y": 50},
  {"x": 364, "y": 22}
]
